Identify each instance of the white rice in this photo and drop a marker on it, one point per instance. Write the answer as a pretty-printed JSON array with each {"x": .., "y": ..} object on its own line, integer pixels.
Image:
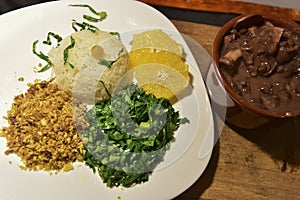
[{"x": 84, "y": 80}]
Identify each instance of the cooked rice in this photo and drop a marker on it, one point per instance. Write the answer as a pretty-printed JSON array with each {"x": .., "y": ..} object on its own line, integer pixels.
[{"x": 84, "y": 80}]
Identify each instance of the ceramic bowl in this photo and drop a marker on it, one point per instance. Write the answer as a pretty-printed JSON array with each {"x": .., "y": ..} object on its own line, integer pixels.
[{"x": 240, "y": 112}]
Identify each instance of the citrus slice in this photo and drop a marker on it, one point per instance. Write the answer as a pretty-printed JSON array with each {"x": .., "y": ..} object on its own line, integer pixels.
[
  {"x": 156, "y": 39},
  {"x": 158, "y": 64},
  {"x": 162, "y": 73}
]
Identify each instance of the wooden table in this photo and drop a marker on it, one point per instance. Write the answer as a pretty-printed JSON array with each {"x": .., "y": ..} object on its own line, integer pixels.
[
  {"x": 228, "y": 6},
  {"x": 247, "y": 164}
]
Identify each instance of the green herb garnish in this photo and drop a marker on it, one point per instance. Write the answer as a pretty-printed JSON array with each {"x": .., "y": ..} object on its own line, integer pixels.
[
  {"x": 106, "y": 89},
  {"x": 56, "y": 36},
  {"x": 42, "y": 56},
  {"x": 117, "y": 34},
  {"x": 100, "y": 15},
  {"x": 106, "y": 63},
  {"x": 109, "y": 63},
  {"x": 77, "y": 26},
  {"x": 66, "y": 51},
  {"x": 129, "y": 135}
]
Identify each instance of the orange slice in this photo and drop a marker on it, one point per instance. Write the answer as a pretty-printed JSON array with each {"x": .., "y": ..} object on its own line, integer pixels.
[{"x": 158, "y": 64}]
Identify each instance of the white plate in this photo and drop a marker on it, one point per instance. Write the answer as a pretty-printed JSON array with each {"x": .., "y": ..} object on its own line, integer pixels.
[{"x": 19, "y": 29}]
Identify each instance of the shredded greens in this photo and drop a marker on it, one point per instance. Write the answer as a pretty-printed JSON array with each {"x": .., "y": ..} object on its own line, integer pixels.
[
  {"x": 77, "y": 26},
  {"x": 109, "y": 63},
  {"x": 117, "y": 34},
  {"x": 42, "y": 56},
  {"x": 129, "y": 135},
  {"x": 100, "y": 15},
  {"x": 48, "y": 40},
  {"x": 66, "y": 52},
  {"x": 84, "y": 25}
]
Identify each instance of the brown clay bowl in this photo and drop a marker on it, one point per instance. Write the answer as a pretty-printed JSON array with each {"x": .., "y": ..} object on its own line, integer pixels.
[{"x": 240, "y": 112}]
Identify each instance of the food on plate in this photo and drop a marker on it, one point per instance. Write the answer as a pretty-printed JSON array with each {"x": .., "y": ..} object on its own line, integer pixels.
[
  {"x": 41, "y": 129},
  {"x": 130, "y": 132},
  {"x": 97, "y": 15},
  {"x": 156, "y": 39},
  {"x": 80, "y": 116},
  {"x": 262, "y": 64},
  {"x": 129, "y": 135},
  {"x": 87, "y": 63},
  {"x": 159, "y": 64}
]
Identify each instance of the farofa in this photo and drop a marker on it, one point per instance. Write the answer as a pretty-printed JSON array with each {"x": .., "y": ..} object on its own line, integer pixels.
[{"x": 41, "y": 128}]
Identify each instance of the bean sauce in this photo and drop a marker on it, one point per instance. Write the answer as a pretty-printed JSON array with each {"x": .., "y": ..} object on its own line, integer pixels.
[{"x": 262, "y": 65}]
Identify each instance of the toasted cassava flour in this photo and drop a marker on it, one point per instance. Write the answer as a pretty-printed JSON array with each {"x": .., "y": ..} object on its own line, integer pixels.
[{"x": 41, "y": 128}]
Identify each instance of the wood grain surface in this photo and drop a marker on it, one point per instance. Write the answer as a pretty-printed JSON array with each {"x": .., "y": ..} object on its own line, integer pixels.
[
  {"x": 228, "y": 6},
  {"x": 261, "y": 163}
]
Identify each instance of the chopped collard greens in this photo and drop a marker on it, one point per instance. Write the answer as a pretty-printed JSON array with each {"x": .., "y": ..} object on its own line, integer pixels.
[{"x": 129, "y": 135}]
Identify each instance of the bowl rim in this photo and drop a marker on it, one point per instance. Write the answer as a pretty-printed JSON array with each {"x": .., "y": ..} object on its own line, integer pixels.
[{"x": 218, "y": 42}]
